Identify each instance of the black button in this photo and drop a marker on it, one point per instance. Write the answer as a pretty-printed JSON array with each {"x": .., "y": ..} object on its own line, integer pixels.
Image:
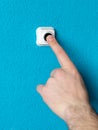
[{"x": 46, "y": 35}]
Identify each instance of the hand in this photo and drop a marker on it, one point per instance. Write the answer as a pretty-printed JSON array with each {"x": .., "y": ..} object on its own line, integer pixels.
[{"x": 65, "y": 91}]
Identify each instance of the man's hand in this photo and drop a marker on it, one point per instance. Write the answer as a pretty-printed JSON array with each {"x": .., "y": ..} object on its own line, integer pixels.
[{"x": 65, "y": 92}]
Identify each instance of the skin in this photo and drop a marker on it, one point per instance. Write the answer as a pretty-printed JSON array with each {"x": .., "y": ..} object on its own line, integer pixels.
[{"x": 65, "y": 93}]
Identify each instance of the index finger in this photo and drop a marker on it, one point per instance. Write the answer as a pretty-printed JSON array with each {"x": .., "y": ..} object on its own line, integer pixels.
[{"x": 63, "y": 58}]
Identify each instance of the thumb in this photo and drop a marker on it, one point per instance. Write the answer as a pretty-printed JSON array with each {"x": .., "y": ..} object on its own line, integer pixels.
[{"x": 40, "y": 89}]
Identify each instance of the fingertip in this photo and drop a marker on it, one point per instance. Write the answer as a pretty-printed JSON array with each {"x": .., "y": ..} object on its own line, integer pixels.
[
  {"x": 50, "y": 38},
  {"x": 46, "y": 35}
]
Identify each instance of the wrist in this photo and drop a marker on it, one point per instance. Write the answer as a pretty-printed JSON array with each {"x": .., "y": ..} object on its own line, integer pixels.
[{"x": 81, "y": 117}]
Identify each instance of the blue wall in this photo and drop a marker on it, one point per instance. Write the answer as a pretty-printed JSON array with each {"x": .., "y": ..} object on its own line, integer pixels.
[{"x": 23, "y": 65}]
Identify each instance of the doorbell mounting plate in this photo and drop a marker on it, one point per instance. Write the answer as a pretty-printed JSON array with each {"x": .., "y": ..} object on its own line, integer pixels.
[{"x": 42, "y": 33}]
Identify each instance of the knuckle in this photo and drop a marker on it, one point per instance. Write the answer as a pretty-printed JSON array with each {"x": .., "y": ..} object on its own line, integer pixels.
[
  {"x": 44, "y": 92},
  {"x": 75, "y": 73},
  {"x": 50, "y": 80},
  {"x": 60, "y": 51},
  {"x": 58, "y": 72}
]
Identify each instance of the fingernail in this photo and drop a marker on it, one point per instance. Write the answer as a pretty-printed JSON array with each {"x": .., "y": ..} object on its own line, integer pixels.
[{"x": 50, "y": 38}]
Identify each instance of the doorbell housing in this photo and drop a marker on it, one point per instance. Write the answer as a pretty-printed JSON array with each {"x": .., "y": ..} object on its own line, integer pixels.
[{"x": 42, "y": 33}]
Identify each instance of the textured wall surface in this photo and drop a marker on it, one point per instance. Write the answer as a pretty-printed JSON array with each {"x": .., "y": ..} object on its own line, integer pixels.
[{"x": 23, "y": 65}]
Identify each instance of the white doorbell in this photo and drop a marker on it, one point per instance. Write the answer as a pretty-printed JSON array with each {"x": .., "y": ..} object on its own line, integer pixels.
[{"x": 42, "y": 33}]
